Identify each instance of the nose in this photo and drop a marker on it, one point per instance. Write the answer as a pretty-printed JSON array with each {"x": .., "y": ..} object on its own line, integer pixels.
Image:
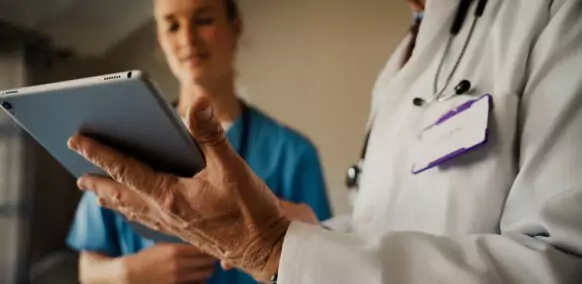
[{"x": 188, "y": 37}]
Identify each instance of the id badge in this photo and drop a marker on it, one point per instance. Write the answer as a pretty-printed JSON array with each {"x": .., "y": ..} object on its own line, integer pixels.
[{"x": 453, "y": 134}]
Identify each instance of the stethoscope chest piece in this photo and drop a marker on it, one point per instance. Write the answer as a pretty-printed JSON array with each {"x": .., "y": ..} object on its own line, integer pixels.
[
  {"x": 419, "y": 102},
  {"x": 462, "y": 88},
  {"x": 353, "y": 176}
]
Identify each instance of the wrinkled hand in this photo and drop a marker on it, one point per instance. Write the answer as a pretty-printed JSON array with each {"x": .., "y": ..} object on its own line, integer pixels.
[
  {"x": 299, "y": 212},
  {"x": 168, "y": 263},
  {"x": 225, "y": 210}
]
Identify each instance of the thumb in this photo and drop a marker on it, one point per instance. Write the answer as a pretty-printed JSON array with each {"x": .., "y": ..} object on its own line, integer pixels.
[
  {"x": 204, "y": 126},
  {"x": 225, "y": 265}
]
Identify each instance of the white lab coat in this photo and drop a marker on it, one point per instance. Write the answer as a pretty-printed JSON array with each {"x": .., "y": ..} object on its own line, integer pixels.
[{"x": 510, "y": 212}]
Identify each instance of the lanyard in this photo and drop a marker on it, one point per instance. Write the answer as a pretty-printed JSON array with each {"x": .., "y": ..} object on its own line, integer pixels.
[
  {"x": 243, "y": 148},
  {"x": 460, "y": 16}
]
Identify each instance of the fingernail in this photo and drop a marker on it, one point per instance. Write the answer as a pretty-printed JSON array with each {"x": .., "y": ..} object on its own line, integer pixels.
[
  {"x": 72, "y": 145},
  {"x": 205, "y": 114},
  {"x": 80, "y": 184},
  {"x": 116, "y": 196},
  {"x": 187, "y": 119},
  {"x": 101, "y": 201},
  {"x": 188, "y": 111}
]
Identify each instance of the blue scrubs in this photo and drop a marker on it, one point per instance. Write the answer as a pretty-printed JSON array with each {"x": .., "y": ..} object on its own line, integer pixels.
[{"x": 285, "y": 160}]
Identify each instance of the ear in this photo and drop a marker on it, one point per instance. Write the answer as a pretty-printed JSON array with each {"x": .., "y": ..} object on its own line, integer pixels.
[{"x": 416, "y": 5}]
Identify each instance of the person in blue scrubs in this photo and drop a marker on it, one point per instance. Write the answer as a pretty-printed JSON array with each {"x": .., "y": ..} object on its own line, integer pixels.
[{"x": 199, "y": 39}]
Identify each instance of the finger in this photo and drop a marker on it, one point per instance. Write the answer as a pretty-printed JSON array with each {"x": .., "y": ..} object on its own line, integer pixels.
[
  {"x": 152, "y": 224},
  {"x": 120, "y": 167},
  {"x": 283, "y": 204},
  {"x": 287, "y": 207},
  {"x": 102, "y": 202},
  {"x": 153, "y": 221},
  {"x": 225, "y": 266},
  {"x": 207, "y": 130},
  {"x": 193, "y": 251},
  {"x": 188, "y": 250},
  {"x": 107, "y": 191},
  {"x": 114, "y": 195},
  {"x": 199, "y": 262},
  {"x": 133, "y": 217}
]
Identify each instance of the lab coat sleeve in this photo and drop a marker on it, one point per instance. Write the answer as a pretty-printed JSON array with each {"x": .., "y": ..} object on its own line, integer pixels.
[
  {"x": 341, "y": 223},
  {"x": 541, "y": 225}
]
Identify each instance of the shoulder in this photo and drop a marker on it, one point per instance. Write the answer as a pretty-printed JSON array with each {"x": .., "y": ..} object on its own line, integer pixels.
[{"x": 281, "y": 135}]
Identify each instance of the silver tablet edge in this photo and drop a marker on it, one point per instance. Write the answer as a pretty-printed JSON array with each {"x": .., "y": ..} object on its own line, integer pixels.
[
  {"x": 126, "y": 75},
  {"x": 176, "y": 121}
]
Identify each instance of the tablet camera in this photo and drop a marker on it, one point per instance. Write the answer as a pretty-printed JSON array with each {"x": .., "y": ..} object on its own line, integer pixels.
[{"x": 6, "y": 105}]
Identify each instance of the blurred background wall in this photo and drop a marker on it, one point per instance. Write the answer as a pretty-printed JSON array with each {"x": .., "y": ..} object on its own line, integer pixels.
[
  {"x": 12, "y": 224},
  {"x": 308, "y": 63}
]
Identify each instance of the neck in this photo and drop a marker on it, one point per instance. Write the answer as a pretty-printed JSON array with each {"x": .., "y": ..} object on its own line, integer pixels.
[{"x": 226, "y": 105}]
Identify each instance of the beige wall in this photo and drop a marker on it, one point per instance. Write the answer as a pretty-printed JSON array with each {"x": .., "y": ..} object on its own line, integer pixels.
[
  {"x": 312, "y": 64},
  {"x": 309, "y": 63}
]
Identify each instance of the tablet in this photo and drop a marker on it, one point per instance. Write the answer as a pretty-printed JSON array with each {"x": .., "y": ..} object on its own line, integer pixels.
[{"x": 123, "y": 110}]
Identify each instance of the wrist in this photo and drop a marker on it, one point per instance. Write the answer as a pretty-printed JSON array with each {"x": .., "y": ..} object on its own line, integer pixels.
[
  {"x": 121, "y": 268},
  {"x": 95, "y": 268},
  {"x": 272, "y": 265}
]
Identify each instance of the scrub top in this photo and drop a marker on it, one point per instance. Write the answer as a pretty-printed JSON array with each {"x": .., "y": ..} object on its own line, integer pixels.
[{"x": 285, "y": 160}]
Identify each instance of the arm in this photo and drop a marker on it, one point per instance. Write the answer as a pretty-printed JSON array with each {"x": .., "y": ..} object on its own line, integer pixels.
[
  {"x": 96, "y": 268},
  {"x": 93, "y": 235},
  {"x": 162, "y": 263},
  {"x": 541, "y": 235}
]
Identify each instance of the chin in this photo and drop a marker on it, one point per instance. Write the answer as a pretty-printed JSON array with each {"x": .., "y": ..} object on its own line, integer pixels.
[{"x": 198, "y": 78}]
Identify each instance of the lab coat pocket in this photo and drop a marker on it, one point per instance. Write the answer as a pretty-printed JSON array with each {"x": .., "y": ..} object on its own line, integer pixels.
[
  {"x": 501, "y": 129},
  {"x": 474, "y": 184}
]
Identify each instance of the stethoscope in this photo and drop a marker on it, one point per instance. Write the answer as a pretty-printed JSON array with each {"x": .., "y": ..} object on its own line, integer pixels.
[
  {"x": 244, "y": 137},
  {"x": 354, "y": 172}
]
